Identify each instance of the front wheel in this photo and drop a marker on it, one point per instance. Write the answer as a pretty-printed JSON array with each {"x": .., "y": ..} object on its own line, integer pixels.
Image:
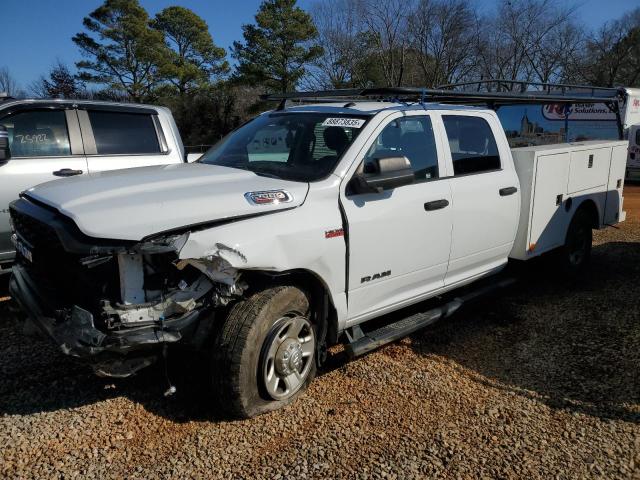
[{"x": 264, "y": 356}]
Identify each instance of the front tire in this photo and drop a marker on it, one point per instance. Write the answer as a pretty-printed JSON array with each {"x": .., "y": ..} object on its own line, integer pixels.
[{"x": 264, "y": 355}]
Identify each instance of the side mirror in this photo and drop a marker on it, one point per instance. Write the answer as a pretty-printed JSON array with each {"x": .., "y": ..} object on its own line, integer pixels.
[
  {"x": 5, "y": 151},
  {"x": 384, "y": 174}
]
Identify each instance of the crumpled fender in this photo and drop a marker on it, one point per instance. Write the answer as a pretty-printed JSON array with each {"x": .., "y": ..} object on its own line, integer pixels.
[{"x": 309, "y": 237}]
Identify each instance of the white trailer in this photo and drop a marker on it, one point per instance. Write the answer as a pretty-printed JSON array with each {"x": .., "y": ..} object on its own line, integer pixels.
[{"x": 630, "y": 117}]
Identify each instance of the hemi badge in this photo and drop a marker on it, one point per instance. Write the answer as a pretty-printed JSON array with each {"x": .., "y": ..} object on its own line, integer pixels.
[{"x": 268, "y": 197}]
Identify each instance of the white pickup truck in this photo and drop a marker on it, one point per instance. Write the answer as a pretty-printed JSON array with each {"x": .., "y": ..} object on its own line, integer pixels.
[
  {"x": 42, "y": 140},
  {"x": 293, "y": 232}
]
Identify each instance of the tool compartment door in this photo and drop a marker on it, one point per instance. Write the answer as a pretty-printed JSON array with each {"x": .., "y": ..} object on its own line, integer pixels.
[
  {"x": 589, "y": 169},
  {"x": 548, "y": 218}
]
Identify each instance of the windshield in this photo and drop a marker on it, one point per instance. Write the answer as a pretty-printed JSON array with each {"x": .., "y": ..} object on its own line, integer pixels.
[{"x": 293, "y": 146}]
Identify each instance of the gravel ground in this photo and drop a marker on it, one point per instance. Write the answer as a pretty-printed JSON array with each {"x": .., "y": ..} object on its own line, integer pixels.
[{"x": 542, "y": 381}]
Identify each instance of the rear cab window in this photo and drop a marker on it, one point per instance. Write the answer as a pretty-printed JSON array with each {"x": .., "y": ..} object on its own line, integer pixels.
[
  {"x": 472, "y": 143},
  {"x": 123, "y": 133},
  {"x": 549, "y": 124}
]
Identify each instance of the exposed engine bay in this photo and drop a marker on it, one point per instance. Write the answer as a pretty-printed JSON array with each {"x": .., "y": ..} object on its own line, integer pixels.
[
  {"x": 107, "y": 301},
  {"x": 155, "y": 287}
]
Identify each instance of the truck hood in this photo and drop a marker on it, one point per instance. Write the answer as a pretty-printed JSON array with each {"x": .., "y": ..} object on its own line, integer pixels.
[{"x": 134, "y": 203}]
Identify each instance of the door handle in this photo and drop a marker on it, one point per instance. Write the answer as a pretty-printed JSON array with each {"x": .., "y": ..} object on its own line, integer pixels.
[
  {"x": 436, "y": 205},
  {"x": 67, "y": 172},
  {"x": 507, "y": 191}
]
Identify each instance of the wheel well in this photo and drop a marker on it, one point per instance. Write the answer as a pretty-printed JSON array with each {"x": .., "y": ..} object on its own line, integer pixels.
[
  {"x": 320, "y": 297},
  {"x": 592, "y": 210}
]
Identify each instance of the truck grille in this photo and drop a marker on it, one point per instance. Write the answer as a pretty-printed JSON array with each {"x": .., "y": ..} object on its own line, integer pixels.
[
  {"x": 47, "y": 265},
  {"x": 58, "y": 273},
  {"x": 38, "y": 235}
]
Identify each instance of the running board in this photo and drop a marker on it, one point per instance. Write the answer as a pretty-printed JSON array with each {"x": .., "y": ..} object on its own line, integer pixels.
[{"x": 391, "y": 332}]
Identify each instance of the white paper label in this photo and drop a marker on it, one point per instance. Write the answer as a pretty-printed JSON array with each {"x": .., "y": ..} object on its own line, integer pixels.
[{"x": 343, "y": 122}]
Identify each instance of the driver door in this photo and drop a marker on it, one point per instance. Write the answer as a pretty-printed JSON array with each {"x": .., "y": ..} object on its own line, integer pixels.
[{"x": 399, "y": 239}]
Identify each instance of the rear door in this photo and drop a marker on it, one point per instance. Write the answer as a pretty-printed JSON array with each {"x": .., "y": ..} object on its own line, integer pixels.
[
  {"x": 399, "y": 239},
  {"x": 116, "y": 138},
  {"x": 45, "y": 145},
  {"x": 486, "y": 202}
]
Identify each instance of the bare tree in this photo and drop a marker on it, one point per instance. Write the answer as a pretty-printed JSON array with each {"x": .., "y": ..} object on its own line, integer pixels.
[
  {"x": 515, "y": 43},
  {"x": 441, "y": 33},
  {"x": 8, "y": 84},
  {"x": 38, "y": 88},
  {"x": 611, "y": 56},
  {"x": 60, "y": 82},
  {"x": 555, "y": 57},
  {"x": 387, "y": 25},
  {"x": 340, "y": 34}
]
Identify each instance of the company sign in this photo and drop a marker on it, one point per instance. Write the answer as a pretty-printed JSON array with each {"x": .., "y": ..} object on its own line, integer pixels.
[
  {"x": 633, "y": 107},
  {"x": 578, "y": 112}
]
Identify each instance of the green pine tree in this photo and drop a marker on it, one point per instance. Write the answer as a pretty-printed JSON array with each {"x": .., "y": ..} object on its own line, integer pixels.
[
  {"x": 277, "y": 48},
  {"x": 193, "y": 57},
  {"x": 125, "y": 51}
]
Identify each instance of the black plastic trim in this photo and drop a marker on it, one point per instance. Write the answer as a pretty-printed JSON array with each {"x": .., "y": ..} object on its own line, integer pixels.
[
  {"x": 117, "y": 108},
  {"x": 436, "y": 205},
  {"x": 345, "y": 229},
  {"x": 507, "y": 191}
]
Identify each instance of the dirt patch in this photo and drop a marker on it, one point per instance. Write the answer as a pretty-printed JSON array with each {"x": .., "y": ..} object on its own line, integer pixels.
[{"x": 632, "y": 200}]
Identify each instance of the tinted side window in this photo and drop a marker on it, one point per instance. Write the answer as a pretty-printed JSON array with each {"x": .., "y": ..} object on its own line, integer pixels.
[
  {"x": 473, "y": 146},
  {"x": 638, "y": 136},
  {"x": 123, "y": 133},
  {"x": 38, "y": 133},
  {"x": 411, "y": 137}
]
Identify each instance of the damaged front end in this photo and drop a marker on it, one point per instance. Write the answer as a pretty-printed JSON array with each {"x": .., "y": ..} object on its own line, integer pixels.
[{"x": 117, "y": 304}]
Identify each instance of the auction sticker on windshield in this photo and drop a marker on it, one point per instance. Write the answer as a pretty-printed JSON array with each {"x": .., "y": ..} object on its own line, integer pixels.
[{"x": 343, "y": 122}]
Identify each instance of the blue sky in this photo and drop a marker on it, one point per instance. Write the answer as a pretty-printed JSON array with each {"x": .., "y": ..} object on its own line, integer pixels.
[{"x": 33, "y": 33}]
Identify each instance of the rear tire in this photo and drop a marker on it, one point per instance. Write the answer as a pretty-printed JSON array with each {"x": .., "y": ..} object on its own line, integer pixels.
[
  {"x": 576, "y": 251},
  {"x": 264, "y": 355}
]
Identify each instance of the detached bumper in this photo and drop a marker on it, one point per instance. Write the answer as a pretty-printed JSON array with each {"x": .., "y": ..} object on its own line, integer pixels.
[{"x": 76, "y": 334}]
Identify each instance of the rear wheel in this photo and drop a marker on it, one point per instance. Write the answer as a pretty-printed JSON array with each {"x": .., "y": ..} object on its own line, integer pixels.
[
  {"x": 264, "y": 355},
  {"x": 577, "y": 248}
]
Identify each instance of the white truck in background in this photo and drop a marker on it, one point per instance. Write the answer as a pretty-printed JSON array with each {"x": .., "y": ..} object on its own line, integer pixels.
[
  {"x": 631, "y": 125},
  {"x": 46, "y": 139},
  {"x": 297, "y": 229}
]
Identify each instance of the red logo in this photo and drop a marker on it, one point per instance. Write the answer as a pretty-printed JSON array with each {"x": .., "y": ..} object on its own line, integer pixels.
[{"x": 338, "y": 232}]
